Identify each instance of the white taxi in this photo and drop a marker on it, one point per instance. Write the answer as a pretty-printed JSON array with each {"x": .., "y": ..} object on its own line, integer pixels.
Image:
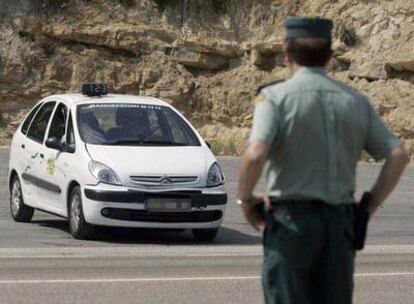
[{"x": 114, "y": 160}]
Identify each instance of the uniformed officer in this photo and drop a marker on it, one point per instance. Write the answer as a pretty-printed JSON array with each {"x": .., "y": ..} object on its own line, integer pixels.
[{"x": 310, "y": 131}]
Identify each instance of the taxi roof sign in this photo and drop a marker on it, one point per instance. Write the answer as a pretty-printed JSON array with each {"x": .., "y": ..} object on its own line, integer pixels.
[{"x": 94, "y": 89}]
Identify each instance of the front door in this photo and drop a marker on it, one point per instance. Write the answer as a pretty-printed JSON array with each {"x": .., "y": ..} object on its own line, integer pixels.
[
  {"x": 32, "y": 175},
  {"x": 52, "y": 171}
]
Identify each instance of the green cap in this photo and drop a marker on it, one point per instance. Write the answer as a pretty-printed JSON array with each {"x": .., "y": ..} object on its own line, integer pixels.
[{"x": 308, "y": 27}]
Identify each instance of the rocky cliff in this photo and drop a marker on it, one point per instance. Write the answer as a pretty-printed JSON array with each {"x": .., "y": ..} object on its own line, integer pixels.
[{"x": 206, "y": 57}]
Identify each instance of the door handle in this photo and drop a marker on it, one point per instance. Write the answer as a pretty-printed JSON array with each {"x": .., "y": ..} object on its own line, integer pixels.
[
  {"x": 42, "y": 155},
  {"x": 23, "y": 146}
]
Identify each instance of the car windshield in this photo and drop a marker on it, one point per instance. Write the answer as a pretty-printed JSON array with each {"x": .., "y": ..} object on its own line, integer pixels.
[{"x": 133, "y": 125}]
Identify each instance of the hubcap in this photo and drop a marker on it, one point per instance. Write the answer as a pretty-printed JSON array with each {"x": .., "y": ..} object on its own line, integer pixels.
[
  {"x": 75, "y": 212},
  {"x": 16, "y": 199}
]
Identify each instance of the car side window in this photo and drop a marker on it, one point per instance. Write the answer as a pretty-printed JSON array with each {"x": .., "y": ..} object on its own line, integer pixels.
[
  {"x": 38, "y": 126},
  {"x": 70, "y": 136},
  {"x": 29, "y": 118},
  {"x": 57, "y": 127}
]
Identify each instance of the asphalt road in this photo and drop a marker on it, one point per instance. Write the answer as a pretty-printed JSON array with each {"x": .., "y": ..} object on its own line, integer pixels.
[{"x": 41, "y": 263}]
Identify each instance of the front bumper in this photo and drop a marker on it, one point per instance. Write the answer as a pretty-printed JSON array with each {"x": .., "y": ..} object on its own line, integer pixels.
[
  {"x": 198, "y": 198},
  {"x": 126, "y": 208}
]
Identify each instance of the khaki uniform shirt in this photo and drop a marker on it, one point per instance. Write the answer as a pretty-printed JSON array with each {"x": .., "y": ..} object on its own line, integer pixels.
[{"x": 316, "y": 128}]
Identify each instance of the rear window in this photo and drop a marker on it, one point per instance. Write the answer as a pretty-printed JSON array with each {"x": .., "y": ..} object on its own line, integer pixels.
[
  {"x": 39, "y": 124},
  {"x": 133, "y": 124},
  {"x": 29, "y": 118}
]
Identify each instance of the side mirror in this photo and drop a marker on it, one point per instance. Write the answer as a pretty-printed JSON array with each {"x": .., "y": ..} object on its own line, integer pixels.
[
  {"x": 208, "y": 144},
  {"x": 54, "y": 143}
]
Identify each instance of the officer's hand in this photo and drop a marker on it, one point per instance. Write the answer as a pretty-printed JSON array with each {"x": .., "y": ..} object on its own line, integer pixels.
[
  {"x": 253, "y": 215},
  {"x": 267, "y": 202}
]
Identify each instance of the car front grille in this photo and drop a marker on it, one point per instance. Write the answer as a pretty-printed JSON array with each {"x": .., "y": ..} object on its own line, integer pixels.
[
  {"x": 162, "y": 180},
  {"x": 162, "y": 217}
]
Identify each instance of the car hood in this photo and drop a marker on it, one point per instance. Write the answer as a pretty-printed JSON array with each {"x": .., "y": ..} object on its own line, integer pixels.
[{"x": 144, "y": 161}]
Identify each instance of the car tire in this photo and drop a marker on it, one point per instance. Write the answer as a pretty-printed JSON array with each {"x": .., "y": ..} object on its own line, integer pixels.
[
  {"x": 19, "y": 211},
  {"x": 205, "y": 235},
  {"x": 78, "y": 227}
]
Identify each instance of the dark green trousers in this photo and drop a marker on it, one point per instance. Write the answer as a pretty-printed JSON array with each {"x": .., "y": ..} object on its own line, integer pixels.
[{"x": 308, "y": 254}]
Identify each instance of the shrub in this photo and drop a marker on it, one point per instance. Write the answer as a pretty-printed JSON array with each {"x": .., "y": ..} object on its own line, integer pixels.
[
  {"x": 348, "y": 36},
  {"x": 26, "y": 35},
  {"x": 220, "y": 6},
  {"x": 224, "y": 147},
  {"x": 50, "y": 5},
  {"x": 163, "y": 4},
  {"x": 126, "y": 3}
]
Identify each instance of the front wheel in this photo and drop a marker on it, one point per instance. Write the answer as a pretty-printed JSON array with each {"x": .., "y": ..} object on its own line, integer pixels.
[
  {"x": 79, "y": 228},
  {"x": 205, "y": 235},
  {"x": 19, "y": 211}
]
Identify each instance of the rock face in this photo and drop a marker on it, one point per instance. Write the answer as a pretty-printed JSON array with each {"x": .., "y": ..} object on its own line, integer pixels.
[
  {"x": 202, "y": 61},
  {"x": 372, "y": 70},
  {"x": 205, "y": 57}
]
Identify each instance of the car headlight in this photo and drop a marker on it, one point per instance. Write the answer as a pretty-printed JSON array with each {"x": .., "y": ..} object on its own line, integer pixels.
[
  {"x": 103, "y": 173},
  {"x": 215, "y": 176}
]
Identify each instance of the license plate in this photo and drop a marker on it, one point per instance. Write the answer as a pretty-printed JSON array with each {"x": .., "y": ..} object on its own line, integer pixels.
[{"x": 168, "y": 205}]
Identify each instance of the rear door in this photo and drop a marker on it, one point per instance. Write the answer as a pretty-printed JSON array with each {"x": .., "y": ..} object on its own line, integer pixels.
[
  {"x": 19, "y": 157},
  {"x": 36, "y": 155}
]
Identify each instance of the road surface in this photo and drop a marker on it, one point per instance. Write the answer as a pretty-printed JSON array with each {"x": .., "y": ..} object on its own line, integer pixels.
[{"x": 41, "y": 263}]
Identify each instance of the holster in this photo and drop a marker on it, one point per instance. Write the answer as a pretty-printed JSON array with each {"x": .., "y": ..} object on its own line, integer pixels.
[
  {"x": 361, "y": 221},
  {"x": 265, "y": 214}
]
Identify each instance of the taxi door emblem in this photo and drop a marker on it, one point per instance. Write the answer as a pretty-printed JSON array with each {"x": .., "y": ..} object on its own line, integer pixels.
[{"x": 50, "y": 166}]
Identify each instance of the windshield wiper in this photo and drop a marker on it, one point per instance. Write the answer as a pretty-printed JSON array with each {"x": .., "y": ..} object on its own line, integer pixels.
[
  {"x": 163, "y": 143},
  {"x": 123, "y": 142},
  {"x": 143, "y": 143}
]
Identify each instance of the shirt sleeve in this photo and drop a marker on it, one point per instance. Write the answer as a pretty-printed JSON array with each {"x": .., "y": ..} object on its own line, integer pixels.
[
  {"x": 380, "y": 140},
  {"x": 265, "y": 121}
]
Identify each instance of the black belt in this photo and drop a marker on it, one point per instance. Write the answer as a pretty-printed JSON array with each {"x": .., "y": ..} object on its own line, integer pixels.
[
  {"x": 305, "y": 203},
  {"x": 308, "y": 205}
]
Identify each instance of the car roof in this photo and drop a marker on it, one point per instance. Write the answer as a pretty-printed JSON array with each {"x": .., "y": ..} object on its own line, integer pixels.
[{"x": 75, "y": 99}]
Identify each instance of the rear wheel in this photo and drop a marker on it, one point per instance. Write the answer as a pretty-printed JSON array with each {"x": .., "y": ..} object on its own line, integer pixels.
[
  {"x": 20, "y": 212},
  {"x": 205, "y": 235},
  {"x": 79, "y": 228}
]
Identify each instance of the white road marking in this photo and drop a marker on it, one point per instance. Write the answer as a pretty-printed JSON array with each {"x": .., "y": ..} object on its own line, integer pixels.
[
  {"x": 125, "y": 252},
  {"x": 384, "y": 274},
  {"x": 214, "y": 255},
  {"x": 169, "y": 251},
  {"x": 128, "y": 280},
  {"x": 175, "y": 279}
]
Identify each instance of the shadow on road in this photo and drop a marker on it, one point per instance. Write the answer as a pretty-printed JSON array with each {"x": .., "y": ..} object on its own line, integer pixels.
[
  {"x": 59, "y": 224},
  {"x": 226, "y": 236}
]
